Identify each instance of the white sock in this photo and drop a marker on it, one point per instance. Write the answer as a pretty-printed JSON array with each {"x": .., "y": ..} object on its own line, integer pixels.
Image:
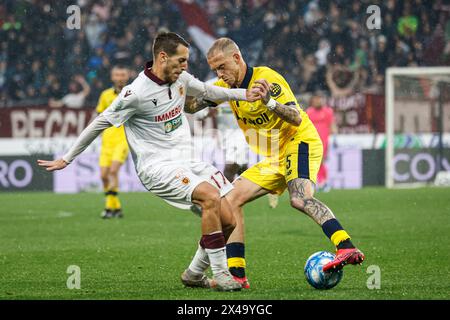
[
  {"x": 217, "y": 259},
  {"x": 200, "y": 262}
]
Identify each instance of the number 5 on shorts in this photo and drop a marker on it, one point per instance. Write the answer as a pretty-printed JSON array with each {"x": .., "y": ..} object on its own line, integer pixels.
[{"x": 288, "y": 162}]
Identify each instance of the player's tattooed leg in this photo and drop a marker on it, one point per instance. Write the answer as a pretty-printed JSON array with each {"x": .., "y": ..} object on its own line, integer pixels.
[{"x": 301, "y": 192}]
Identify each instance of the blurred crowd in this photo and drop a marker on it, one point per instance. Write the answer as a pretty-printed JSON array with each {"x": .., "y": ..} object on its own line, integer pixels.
[{"x": 316, "y": 44}]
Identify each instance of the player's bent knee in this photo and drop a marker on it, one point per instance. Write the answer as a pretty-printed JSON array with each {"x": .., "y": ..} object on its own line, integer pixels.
[
  {"x": 211, "y": 201},
  {"x": 206, "y": 196}
]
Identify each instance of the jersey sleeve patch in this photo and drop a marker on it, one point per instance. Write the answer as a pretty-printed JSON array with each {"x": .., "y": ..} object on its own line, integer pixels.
[{"x": 275, "y": 91}]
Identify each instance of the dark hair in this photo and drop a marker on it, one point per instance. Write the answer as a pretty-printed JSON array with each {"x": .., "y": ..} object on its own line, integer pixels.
[
  {"x": 120, "y": 66},
  {"x": 168, "y": 42}
]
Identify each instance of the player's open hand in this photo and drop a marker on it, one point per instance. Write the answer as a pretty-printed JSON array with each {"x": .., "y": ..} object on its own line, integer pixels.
[
  {"x": 52, "y": 165},
  {"x": 263, "y": 88}
]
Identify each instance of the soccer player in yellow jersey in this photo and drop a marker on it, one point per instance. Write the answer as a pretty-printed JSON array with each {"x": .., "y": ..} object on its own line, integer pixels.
[
  {"x": 114, "y": 150},
  {"x": 278, "y": 129}
]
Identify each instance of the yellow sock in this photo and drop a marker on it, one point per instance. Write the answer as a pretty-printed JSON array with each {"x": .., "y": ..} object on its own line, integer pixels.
[
  {"x": 339, "y": 236},
  {"x": 115, "y": 199},
  {"x": 236, "y": 262},
  {"x": 236, "y": 259},
  {"x": 108, "y": 200},
  {"x": 109, "y": 204},
  {"x": 117, "y": 204}
]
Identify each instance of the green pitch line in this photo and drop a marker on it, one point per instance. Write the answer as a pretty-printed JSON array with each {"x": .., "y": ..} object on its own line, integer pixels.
[{"x": 404, "y": 232}]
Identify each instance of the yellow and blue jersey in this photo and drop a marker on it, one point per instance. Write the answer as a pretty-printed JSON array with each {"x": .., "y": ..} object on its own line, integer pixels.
[
  {"x": 262, "y": 127},
  {"x": 114, "y": 142},
  {"x": 113, "y": 135},
  {"x": 290, "y": 152}
]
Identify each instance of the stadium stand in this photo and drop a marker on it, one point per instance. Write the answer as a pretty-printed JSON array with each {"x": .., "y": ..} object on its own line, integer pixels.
[{"x": 317, "y": 44}]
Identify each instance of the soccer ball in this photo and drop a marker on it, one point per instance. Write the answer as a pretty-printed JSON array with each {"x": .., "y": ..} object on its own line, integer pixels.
[{"x": 315, "y": 275}]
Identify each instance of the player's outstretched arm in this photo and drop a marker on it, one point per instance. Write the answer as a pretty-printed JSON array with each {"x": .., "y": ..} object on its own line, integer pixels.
[
  {"x": 52, "y": 165},
  {"x": 217, "y": 93},
  {"x": 286, "y": 112},
  {"x": 206, "y": 91},
  {"x": 83, "y": 141},
  {"x": 197, "y": 104}
]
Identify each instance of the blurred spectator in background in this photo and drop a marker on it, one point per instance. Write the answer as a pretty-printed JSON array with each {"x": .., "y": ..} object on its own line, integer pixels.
[
  {"x": 78, "y": 91},
  {"x": 408, "y": 23},
  {"x": 322, "y": 116},
  {"x": 341, "y": 81}
]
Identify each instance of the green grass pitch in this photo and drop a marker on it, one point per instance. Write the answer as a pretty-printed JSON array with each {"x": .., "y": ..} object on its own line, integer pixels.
[{"x": 404, "y": 232}]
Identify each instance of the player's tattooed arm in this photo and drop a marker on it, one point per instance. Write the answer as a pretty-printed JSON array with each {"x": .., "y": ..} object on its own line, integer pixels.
[
  {"x": 196, "y": 105},
  {"x": 301, "y": 192},
  {"x": 288, "y": 113}
]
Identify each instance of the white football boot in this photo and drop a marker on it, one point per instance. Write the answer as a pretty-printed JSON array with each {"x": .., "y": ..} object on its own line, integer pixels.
[
  {"x": 190, "y": 279},
  {"x": 224, "y": 281}
]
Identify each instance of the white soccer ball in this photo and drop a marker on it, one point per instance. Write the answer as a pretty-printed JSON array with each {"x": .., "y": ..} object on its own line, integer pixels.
[{"x": 314, "y": 271}]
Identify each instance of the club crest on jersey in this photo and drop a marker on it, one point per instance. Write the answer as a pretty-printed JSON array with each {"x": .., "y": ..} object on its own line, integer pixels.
[
  {"x": 275, "y": 91},
  {"x": 181, "y": 90},
  {"x": 181, "y": 176}
]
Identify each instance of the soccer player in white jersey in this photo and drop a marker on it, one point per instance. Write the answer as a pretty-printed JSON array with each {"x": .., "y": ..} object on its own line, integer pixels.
[{"x": 158, "y": 134}]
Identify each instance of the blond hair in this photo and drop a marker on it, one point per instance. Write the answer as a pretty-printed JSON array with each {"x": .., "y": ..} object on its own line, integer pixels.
[{"x": 224, "y": 45}]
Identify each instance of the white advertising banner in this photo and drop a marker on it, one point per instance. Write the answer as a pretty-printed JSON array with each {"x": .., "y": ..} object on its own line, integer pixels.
[{"x": 83, "y": 175}]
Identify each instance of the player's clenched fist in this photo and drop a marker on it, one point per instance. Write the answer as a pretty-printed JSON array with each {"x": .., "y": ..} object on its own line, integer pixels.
[
  {"x": 263, "y": 88},
  {"x": 253, "y": 94},
  {"x": 53, "y": 164}
]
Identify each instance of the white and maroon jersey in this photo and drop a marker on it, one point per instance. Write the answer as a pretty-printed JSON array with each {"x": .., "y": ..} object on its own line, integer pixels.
[{"x": 151, "y": 111}]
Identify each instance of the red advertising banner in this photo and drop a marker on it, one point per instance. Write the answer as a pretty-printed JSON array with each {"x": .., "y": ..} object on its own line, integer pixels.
[
  {"x": 43, "y": 122},
  {"x": 359, "y": 113},
  {"x": 350, "y": 113},
  {"x": 375, "y": 111}
]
